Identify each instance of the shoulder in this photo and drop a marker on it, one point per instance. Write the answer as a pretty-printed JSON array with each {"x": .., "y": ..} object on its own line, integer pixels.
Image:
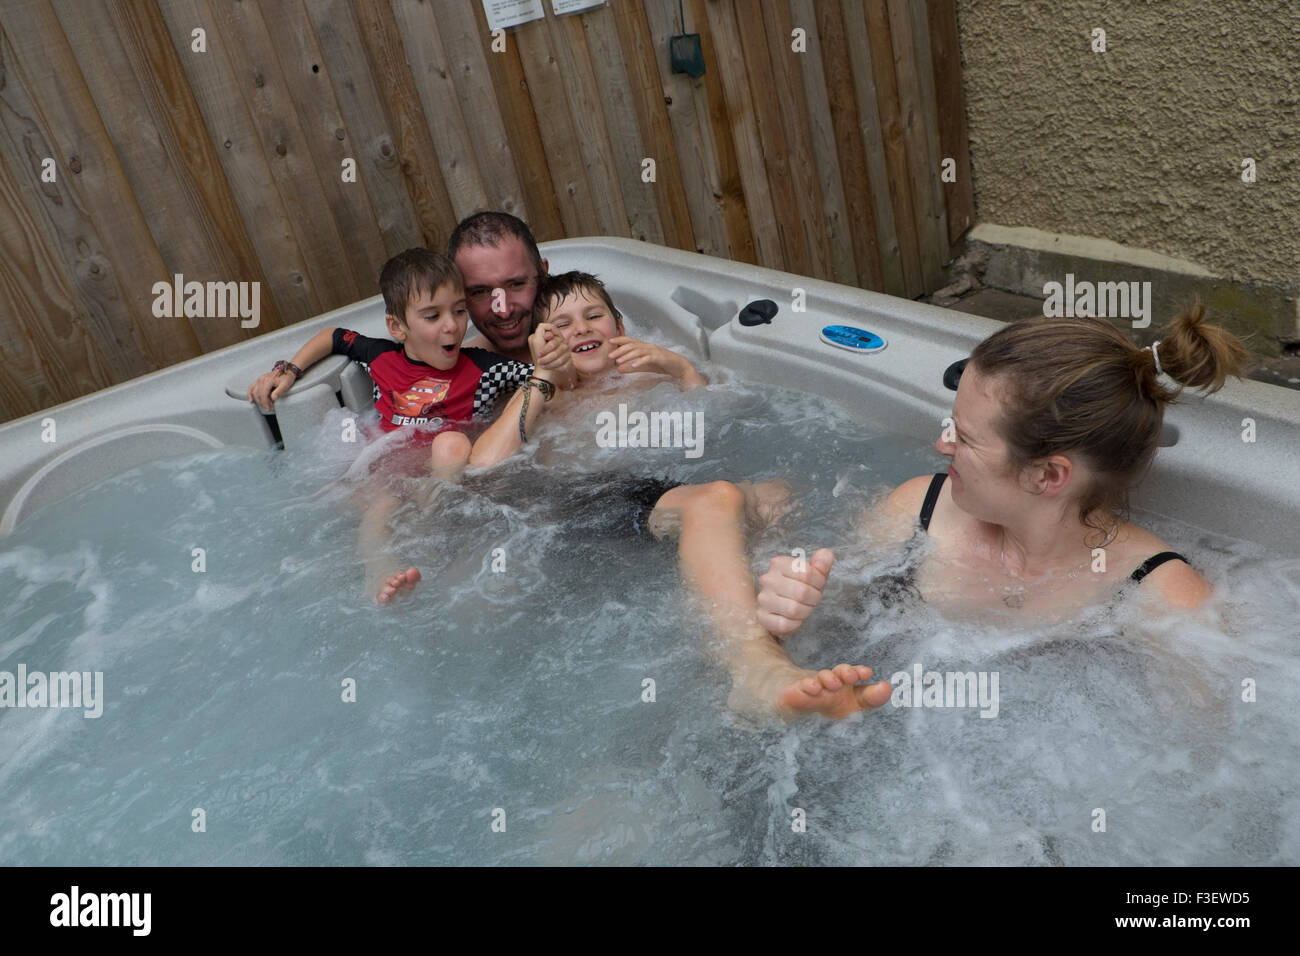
[
  {"x": 1174, "y": 583},
  {"x": 346, "y": 340},
  {"x": 894, "y": 519},
  {"x": 908, "y": 497},
  {"x": 914, "y": 489},
  {"x": 486, "y": 359},
  {"x": 1178, "y": 584}
]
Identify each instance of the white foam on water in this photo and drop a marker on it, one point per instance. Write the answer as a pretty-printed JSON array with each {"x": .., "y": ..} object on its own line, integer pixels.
[{"x": 524, "y": 689}]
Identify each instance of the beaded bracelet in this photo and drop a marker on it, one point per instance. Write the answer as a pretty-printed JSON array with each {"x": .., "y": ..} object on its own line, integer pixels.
[{"x": 283, "y": 366}]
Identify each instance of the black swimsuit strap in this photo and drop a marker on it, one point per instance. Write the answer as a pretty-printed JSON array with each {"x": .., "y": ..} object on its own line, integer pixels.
[
  {"x": 931, "y": 498},
  {"x": 1153, "y": 562}
]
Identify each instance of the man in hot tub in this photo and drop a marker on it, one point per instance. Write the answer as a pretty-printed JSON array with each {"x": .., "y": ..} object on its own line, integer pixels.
[{"x": 502, "y": 266}]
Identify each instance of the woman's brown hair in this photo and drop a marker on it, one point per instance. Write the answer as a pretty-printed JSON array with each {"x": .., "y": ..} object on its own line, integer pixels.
[{"x": 1079, "y": 386}]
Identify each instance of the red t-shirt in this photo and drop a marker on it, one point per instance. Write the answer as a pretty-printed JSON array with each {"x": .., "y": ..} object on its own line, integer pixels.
[{"x": 408, "y": 392}]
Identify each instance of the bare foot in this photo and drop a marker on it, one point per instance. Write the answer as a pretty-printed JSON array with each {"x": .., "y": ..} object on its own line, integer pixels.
[
  {"x": 793, "y": 692},
  {"x": 397, "y": 583}
]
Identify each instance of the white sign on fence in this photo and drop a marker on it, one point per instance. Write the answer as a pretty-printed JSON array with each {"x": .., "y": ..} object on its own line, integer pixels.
[{"x": 510, "y": 13}]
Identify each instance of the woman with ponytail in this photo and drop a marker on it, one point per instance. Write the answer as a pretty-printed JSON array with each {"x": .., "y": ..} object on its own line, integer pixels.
[{"x": 1055, "y": 421}]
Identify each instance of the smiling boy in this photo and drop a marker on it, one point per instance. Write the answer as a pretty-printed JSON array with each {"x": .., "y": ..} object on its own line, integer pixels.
[{"x": 579, "y": 308}]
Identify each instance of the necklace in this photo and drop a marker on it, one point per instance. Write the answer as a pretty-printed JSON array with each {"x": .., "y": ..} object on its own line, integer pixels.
[
  {"x": 1012, "y": 598},
  {"x": 1015, "y": 598}
]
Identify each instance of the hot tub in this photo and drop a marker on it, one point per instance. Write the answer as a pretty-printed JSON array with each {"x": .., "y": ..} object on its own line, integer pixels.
[
  {"x": 1205, "y": 473},
  {"x": 547, "y": 698}
]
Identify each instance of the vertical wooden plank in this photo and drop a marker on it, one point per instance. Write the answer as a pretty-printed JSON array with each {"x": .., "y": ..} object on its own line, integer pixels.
[
  {"x": 417, "y": 158},
  {"x": 880, "y": 41},
  {"x": 861, "y": 185},
  {"x": 260, "y": 82},
  {"x": 930, "y": 116},
  {"x": 174, "y": 174},
  {"x": 489, "y": 139},
  {"x": 696, "y": 151},
  {"x": 620, "y": 116},
  {"x": 711, "y": 102},
  {"x": 164, "y": 85},
  {"x": 431, "y": 72},
  {"x": 846, "y": 19},
  {"x": 364, "y": 117},
  {"x": 49, "y": 349},
  {"x": 101, "y": 234},
  {"x": 787, "y": 77},
  {"x": 652, "y": 119},
  {"x": 950, "y": 97},
  {"x": 816, "y": 100},
  {"x": 584, "y": 98},
  {"x": 772, "y": 147},
  {"x": 922, "y": 175},
  {"x": 308, "y": 77},
  {"x": 540, "y": 206},
  {"x": 111, "y": 251},
  {"x": 230, "y": 130},
  {"x": 546, "y": 85},
  {"x": 729, "y": 59}
]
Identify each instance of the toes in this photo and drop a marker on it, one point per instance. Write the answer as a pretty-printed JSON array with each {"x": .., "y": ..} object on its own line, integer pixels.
[
  {"x": 829, "y": 680},
  {"x": 847, "y": 673},
  {"x": 875, "y": 695}
]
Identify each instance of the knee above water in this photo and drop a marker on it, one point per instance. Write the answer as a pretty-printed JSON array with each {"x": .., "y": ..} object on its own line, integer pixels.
[{"x": 722, "y": 495}]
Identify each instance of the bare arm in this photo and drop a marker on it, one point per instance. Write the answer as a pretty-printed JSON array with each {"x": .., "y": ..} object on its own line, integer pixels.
[
  {"x": 791, "y": 587},
  {"x": 633, "y": 355},
  {"x": 272, "y": 385},
  {"x": 501, "y": 440}
]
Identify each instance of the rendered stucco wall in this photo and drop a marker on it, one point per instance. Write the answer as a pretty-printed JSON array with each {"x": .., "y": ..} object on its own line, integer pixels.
[{"x": 1141, "y": 144}]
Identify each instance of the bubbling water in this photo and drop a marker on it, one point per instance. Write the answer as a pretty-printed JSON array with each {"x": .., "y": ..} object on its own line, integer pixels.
[{"x": 547, "y": 695}]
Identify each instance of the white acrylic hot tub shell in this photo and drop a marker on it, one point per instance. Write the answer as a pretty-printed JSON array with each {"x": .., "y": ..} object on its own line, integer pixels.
[{"x": 1208, "y": 477}]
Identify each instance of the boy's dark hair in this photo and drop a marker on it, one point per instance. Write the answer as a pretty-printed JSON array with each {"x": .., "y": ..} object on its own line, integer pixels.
[
  {"x": 556, "y": 287},
  {"x": 488, "y": 229},
  {"x": 413, "y": 271}
]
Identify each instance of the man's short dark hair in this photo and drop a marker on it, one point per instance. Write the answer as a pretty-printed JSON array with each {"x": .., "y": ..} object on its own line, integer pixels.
[
  {"x": 413, "y": 271},
  {"x": 488, "y": 229},
  {"x": 557, "y": 287}
]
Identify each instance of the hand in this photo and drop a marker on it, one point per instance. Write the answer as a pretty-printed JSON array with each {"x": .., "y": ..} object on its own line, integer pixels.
[
  {"x": 633, "y": 355},
  {"x": 788, "y": 596},
  {"x": 550, "y": 351},
  {"x": 269, "y": 387}
]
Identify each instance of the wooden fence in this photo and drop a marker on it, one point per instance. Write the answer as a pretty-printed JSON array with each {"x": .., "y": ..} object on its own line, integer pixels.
[{"x": 142, "y": 139}]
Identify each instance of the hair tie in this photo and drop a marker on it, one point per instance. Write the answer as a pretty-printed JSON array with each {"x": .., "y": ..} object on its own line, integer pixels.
[{"x": 1156, "y": 355}]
